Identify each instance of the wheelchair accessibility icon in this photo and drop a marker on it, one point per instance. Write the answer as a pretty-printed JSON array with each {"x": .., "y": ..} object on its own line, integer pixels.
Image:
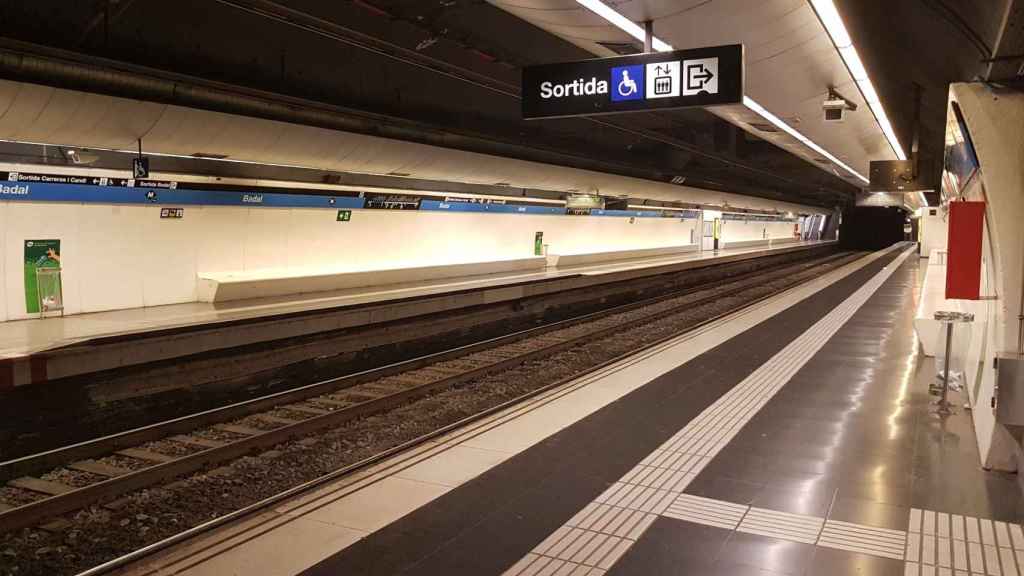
[
  {"x": 626, "y": 82},
  {"x": 627, "y": 87}
]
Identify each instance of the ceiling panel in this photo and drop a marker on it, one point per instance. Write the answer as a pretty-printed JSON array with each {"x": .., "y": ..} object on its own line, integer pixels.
[
  {"x": 791, "y": 61},
  {"x": 180, "y": 131}
]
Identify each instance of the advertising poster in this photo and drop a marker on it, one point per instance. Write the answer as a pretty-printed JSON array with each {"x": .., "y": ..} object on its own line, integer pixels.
[{"x": 38, "y": 254}]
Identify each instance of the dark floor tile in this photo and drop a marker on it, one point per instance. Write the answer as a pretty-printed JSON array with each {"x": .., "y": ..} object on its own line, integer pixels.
[
  {"x": 795, "y": 481},
  {"x": 769, "y": 553},
  {"x": 897, "y": 492},
  {"x": 870, "y": 513},
  {"x": 994, "y": 495},
  {"x": 813, "y": 500},
  {"x": 749, "y": 468},
  {"x": 724, "y": 568},
  {"x": 795, "y": 462},
  {"x": 673, "y": 547},
  {"x": 830, "y": 562},
  {"x": 724, "y": 488}
]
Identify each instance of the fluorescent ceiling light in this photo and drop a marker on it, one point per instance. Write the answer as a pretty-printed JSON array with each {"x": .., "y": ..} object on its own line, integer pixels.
[
  {"x": 778, "y": 123},
  {"x": 833, "y": 23},
  {"x": 625, "y": 24},
  {"x": 635, "y": 30}
]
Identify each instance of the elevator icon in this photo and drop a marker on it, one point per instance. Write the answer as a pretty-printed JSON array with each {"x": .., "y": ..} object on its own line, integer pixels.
[{"x": 663, "y": 79}]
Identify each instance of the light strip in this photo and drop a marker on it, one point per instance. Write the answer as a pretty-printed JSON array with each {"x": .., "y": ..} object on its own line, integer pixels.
[
  {"x": 625, "y": 24},
  {"x": 635, "y": 30},
  {"x": 833, "y": 23},
  {"x": 778, "y": 123}
]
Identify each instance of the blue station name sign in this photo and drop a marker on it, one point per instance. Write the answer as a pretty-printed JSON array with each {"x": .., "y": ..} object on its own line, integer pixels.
[{"x": 685, "y": 78}]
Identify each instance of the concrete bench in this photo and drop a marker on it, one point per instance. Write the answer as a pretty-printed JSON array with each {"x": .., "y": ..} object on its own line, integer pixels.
[
  {"x": 761, "y": 242},
  {"x": 240, "y": 285},
  {"x": 564, "y": 260},
  {"x": 786, "y": 240},
  {"x": 745, "y": 243}
]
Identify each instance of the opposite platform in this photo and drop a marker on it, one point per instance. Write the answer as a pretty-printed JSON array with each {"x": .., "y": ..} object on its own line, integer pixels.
[{"x": 46, "y": 349}]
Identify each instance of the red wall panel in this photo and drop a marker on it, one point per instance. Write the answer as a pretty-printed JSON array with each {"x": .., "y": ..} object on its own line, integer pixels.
[{"x": 963, "y": 263}]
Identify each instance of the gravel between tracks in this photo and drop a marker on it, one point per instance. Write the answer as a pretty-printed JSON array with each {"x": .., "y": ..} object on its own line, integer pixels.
[{"x": 97, "y": 534}]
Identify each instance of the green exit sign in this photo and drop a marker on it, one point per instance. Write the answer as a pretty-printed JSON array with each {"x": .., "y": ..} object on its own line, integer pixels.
[{"x": 344, "y": 215}]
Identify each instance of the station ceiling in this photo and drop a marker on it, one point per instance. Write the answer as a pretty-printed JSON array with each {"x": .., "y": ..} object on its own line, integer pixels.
[{"x": 446, "y": 72}]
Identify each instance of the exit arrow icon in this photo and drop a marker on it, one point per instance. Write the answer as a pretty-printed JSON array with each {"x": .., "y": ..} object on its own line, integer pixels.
[{"x": 701, "y": 77}]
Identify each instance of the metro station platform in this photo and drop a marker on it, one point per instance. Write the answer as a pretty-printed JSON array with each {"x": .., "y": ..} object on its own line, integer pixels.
[
  {"x": 793, "y": 437},
  {"x": 38, "y": 350}
]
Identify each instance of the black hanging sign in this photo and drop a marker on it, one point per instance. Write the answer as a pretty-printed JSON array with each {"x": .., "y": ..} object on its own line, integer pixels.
[{"x": 685, "y": 78}]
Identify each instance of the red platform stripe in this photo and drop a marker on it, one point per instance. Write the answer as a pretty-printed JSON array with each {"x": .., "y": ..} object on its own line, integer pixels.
[
  {"x": 37, "y": 365},
  {"x": 6, "y": 373}
]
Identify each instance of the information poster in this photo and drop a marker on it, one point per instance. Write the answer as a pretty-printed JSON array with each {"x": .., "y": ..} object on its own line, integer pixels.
[{"x": 38, "y": 254}]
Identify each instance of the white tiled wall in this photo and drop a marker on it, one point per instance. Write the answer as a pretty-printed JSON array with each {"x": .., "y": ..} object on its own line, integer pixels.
[
  {"x": 220, "y": 236},
  {"x": 3, "y": 262},
  {"x": 108, "y": 253},
  {"x": 26, "y": 221},
  {"x": 168, "y": 264},
  {"x": 126, "y": 257},
  {"x": 736, "y": 230}
]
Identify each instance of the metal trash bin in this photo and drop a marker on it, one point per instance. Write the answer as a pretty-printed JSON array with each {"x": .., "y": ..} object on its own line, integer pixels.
[
  {"x": 50, "y": 292},
  {"x": 949, "y": 320}
]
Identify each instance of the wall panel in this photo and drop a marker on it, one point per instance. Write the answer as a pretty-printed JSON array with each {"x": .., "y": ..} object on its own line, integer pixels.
[
  {"x": 126, "y": 256},
  {"x": 27, "y": 221},
  {"x": 111, "y": 251},
  {"x": 168, "y": 267},
  {"x": 266, "y": 238},
  {"x": 221, "y": 236},
  {"x": 3, "y": 262}
]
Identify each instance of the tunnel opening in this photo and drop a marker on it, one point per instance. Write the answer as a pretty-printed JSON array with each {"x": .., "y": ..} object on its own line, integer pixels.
[{"x": 872, "y": 227}]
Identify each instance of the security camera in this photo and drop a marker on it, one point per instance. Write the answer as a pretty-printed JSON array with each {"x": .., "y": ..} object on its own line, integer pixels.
[
  {"x": 835, "y": 106},
  {"x": 834, "y": 110},
  {"x": 82, "y": 157}
]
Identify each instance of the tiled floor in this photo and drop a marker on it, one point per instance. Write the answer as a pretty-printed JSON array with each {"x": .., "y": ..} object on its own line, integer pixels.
[
  {"x": 536, "y": 446},
  {"x": 688, "y": 452},
  {"x": 530, "y": 512},
  {"x": 847, "y": 470},
  {"x": 797, "y": 441}
]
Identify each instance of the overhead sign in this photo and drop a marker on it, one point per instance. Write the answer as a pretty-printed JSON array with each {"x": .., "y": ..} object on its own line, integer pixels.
[
  {"x": 684, "y": 78},
  {"x": 140, "y": 167},
  {"x": 593, "y": 201}
]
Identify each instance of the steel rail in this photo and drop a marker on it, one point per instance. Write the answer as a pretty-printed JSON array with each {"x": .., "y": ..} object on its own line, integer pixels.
[
  {"x": 41, "y": 510},
  {"x": 281, "y": 497},
  {"x": 34, "y": 463}
]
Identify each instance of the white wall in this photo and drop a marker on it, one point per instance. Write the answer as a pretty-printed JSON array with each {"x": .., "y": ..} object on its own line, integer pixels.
[
  {"x": 996, "y": 122},
  {"x": 934, "y": 231},
  {"x": 24, "y": 222},
  {"x": 737, "y": 230},
  {"x": 125, "y": 256},
  {"x": 3, "y": 262},
  {"x": 584, "y": 234}
]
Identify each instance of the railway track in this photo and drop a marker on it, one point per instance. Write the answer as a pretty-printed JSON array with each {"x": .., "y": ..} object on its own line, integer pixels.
[{"x": 106, "y": 468}]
